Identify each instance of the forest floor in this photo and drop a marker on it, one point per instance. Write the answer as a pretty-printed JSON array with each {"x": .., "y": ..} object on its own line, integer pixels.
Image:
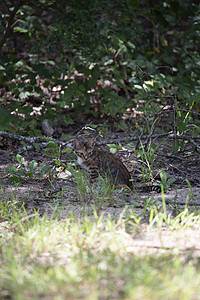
[
  {"x": 62, "y": 194},
  {"x": 64, "y": 197},
  {"x": 60, "y": 238}
]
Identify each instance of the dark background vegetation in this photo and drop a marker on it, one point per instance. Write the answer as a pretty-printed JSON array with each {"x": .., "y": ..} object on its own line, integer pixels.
[{"x": 106, "y": 60}]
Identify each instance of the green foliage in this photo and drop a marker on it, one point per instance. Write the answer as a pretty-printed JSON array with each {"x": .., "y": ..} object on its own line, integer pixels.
[
  {"x": 166, "y": 182},
  {"x": 114, "y": 148},
  {"x": 52, "y": 150},
  {"x": 27, "y": 170},
  {"x": 82, "y": 183},
  {"x": 97, "y": 49},
  {"x": 147, "y": 158},
  {"x": 102, "y": 191}
]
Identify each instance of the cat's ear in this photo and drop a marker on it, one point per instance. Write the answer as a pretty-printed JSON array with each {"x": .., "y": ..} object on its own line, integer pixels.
[
  {"x": 91, "y": 142},
  {"x": 76, "y": 144}
]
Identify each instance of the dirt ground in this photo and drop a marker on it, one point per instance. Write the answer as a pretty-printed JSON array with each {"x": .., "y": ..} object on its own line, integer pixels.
[{"x": 64, "y": 194}]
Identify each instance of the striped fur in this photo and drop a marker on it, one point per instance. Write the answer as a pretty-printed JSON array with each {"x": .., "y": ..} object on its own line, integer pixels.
[{"x": 96, "y": 160}]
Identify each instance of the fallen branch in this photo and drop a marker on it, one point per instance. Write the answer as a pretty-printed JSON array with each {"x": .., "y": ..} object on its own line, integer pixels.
[
  {"x": 46, "y": 140},
  {"x": 169, "y": 135},
  {"x": 43, "y": 141},
  {"x": 194, "y": 143}
]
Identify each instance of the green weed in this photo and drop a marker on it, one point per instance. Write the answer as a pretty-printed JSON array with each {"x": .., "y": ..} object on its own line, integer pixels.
[
  {"x": 25, "y": 170},
  {"x": 147, "y": 158},
  {"x": 164, "y": 181}
]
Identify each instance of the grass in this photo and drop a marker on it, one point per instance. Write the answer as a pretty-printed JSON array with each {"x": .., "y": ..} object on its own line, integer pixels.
[{"x": 97, "y": 258}]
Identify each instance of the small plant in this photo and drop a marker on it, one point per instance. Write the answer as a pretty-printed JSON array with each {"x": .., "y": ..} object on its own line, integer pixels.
[
  {"x": 103, "y": 192},
  {"x": 164, "y": 181},
  {"x": 184, "y": 219},
  {"x": 114, "y": 148},
  {"x": 57, "y": 209},
  {"x": 134, "y": 220},
  {"x": 81, "y": 181},
  {"x": 53, "y": 150},
  {"x": 27, "y": 170},
  {"x": 190, "y": 195},
  {"x": 13, "y": 210},
  {"x": 149, "y": 203},
  {"x": 147, "y": 158}
]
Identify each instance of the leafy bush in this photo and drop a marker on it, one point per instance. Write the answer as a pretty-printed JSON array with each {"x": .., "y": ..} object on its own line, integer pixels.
[{"x": 98, "y": 56}]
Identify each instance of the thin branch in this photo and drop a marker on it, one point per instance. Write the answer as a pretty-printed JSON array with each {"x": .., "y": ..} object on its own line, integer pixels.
[
  {"x": 174, "y": 120},
  {"x": 86, "y": 127},
  {"x": 194, "y": 143},
  {"x": 170, "y": 135}
]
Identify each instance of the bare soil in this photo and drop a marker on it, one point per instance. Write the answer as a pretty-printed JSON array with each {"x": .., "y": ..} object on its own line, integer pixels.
[{"x": 44, "y": 195}]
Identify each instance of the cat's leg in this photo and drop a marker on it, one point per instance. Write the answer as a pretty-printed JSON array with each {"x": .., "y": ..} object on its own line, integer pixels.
[
  {"x": 94, "y": 174},
  {"x": 92, "y": 170}
]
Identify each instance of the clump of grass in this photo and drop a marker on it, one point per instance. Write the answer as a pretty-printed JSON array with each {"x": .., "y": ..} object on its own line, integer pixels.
[{"x": 101, "y": 193}]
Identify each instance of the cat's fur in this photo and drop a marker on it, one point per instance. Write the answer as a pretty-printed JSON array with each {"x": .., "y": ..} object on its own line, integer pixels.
[{"x": 96, "y": 160}]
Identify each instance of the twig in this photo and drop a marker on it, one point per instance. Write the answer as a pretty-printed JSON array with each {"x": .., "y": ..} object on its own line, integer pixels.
[
  {"x": 174, "y": 120},
  {"x": 194, "y": 143},
  {"x": 86, "y": 127}
]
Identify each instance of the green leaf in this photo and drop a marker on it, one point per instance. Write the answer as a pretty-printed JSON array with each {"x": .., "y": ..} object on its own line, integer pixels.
[
  {"x": 33, "y": 166},
  {"x": 36, "y": 146},
  {"x": 20, "y": 29},
  {"x": 68, "y": 121},
  {"x": 81, "y": 87},
  {"x": 163, "y": 176},
  {"x": 21, "y": 159},
  {"x": 171, "y": 180},
  {"x": 113, "y": 150},
  {"x": 14, "y": 179},
  {"x": 24, "y": 95}
]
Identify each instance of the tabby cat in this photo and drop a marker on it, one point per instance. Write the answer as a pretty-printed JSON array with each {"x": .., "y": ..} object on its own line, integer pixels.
[{"x": 96, "y": 160}]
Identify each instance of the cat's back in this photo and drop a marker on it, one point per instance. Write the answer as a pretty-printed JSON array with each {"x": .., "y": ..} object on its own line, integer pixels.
[{"x": 111, "y": 164}]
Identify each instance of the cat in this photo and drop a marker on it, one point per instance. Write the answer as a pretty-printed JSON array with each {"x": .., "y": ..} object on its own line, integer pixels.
[{"x": 96, "y": 160}]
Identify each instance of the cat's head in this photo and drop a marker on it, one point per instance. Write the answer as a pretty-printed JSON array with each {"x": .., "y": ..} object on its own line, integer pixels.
[{"x": 84, "y": 146}]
